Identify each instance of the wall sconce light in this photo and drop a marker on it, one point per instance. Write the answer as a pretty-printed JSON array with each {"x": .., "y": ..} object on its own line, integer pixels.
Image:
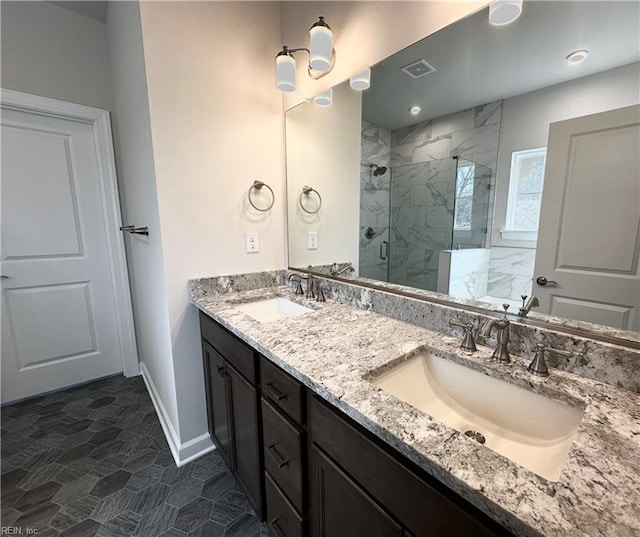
[
  {"x": 322, "y": 57},
  {"x": 324, "y": 99},
  {"x": 361, "y": 81},
  {"x": 503, "y": 12}
]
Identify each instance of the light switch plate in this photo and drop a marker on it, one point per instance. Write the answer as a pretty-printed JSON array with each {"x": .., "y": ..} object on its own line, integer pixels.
[
  {"x": 253, "y": 242},
  {"x": 312, "y": 240}
]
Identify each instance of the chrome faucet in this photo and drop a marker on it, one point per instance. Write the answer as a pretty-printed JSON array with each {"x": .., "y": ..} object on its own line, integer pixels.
[
  {"x": 526, "y": 307},
  {"x": 501, "y": 354},
  {"x": 335, "y": 272}
]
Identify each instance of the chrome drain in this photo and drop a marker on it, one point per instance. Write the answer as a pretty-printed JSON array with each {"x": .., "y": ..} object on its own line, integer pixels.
[{"x": 476, "y": 436}]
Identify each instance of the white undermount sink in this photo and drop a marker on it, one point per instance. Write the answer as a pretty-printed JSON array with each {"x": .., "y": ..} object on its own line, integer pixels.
[
  {"x": 527, "y": 428},
  {"x": 272, "y": 309}
]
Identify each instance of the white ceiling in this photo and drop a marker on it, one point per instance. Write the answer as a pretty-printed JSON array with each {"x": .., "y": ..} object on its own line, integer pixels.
[
  {"x": 94, "y": 9},
  {"x": 477, "y": 63}
]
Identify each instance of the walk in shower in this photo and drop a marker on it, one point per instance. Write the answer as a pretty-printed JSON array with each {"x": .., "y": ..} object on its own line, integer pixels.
[{"x": 413, "y": 212}]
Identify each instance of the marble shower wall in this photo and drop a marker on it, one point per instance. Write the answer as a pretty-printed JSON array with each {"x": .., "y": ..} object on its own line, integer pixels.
[
  {"x": 464, "y": 273},
  {"x": 423, "y": 187},
  {"x": 374, "y": 201},
  {"x": 511, "y": 272}
]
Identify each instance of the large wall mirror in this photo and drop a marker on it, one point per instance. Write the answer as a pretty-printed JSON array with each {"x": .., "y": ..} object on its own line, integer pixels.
[{"x": 485, "y": 163}]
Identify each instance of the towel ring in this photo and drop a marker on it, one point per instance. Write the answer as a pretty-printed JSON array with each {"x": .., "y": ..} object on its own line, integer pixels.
[
  {"x": 306, "y": 190},
  {"x": 258, "y": 186}
]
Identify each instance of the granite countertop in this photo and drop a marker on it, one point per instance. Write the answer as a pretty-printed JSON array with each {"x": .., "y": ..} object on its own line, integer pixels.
[{"x": 330, "y": 351}]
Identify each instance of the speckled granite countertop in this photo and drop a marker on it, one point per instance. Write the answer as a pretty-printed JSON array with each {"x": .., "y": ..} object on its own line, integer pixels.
[{"x": 331, "y": 349}]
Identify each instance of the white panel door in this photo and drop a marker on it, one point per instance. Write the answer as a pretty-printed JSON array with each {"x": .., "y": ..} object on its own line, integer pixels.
[
  {"x": 589, "y": 237},
  {"x": 59, "y": 323}
]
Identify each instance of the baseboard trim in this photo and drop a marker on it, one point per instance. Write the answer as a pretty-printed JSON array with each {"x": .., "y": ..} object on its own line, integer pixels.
[
  {"x": 183, "y": 453},
  {"x": 195, "y": 448}
]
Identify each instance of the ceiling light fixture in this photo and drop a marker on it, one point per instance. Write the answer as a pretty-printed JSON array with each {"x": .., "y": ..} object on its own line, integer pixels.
[
  {"x": 324, "y": 99},
  {"x": 415, "y": 110},
  {"x": 322, "y": 57},
  {"x": 577, "y": 56},
  {"x": 361, "y": 81},
  {"x": 503, "y": 12}
]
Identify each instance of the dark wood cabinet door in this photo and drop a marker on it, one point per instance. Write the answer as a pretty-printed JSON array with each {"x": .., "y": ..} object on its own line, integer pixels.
[
  {"x": 246, "y": 431},
  {"x": 217, "y": 383},
  {"x": 340, "y": 508}
]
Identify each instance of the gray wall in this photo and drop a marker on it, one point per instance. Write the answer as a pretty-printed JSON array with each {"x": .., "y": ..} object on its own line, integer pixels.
[{"x": 52, "y": 52}]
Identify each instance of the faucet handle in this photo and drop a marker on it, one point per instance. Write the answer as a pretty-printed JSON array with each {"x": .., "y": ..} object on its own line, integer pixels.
[
  {"x": 310, "y": 286},
  {"x": 505, "y": 307},
  {"x": 320, "y": 293},
  {"x": 538, "y": 365},
  {"x": 468, "y": 342}
]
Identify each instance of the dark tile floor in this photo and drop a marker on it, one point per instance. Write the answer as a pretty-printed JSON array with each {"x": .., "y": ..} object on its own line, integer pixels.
[{"x": 93, "y": 461}]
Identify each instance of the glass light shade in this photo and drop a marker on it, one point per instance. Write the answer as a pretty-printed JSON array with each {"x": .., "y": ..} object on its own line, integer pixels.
[
  {"x": 325, "y": 98},
  {"x": 361, "y": 81},
  {"x": 286, "y": 73},
  {"x": 320, "y": 48},
  {"x": 503, "y": 12}
]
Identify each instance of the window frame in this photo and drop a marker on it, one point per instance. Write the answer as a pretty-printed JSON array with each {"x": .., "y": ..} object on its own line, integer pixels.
[
  {"x": 509, "y": 233},
  {"x": 464, "y": 230}
]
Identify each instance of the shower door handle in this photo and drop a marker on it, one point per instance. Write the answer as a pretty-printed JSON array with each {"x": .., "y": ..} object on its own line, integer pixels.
[{"x": 384, "y": 249}]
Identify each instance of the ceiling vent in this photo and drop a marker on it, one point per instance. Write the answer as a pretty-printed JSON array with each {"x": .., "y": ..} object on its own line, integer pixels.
[{"x": 418, "y": 69}]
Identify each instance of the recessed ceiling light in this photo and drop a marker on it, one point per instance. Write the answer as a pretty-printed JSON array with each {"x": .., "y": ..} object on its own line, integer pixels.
[
  {"x": 415, "y": 110},
  {"x": 577, "y": 56},
  {"x": 503, "y": 12}
]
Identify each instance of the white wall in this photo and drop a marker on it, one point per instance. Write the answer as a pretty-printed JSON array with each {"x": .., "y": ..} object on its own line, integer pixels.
[
  {"x": 526, "y": 119},
  {"x": 137, "y": 179},
  {"x": 52, "y": 52},
  {"x": 323, "y": 151},
  {"x": 217, "y": 125},
  {"x": 364, "y": 34}
]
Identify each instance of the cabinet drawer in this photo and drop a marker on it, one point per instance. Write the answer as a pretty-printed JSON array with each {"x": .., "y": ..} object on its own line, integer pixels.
[
  {"x": 281, "y": 516},
  {"x": 423, "y": 508},
  {"x": 230, "y": 347},
  {"x": 282, "y": 390},
  {"x": 283, "y": 453}
]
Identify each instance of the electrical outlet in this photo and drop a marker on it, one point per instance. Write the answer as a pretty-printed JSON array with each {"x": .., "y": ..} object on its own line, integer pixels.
[
  {"x": 312, "y": 240},
  {"x": 253, "y": 242}
]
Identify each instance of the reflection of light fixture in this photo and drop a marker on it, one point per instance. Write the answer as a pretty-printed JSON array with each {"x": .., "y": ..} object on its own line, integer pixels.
[
  {"x": 361, "y": 81},
  {"x": 577, "y": 56},
  {"x": 324, "y": 99},
  {"x": 415, "y": 110},
  {"x": 503, "y": 12},
  {"x": 321, "y": 57}
]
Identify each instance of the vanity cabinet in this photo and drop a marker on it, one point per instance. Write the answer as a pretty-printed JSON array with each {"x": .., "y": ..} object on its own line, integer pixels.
[
  {"x": 310, "y": 470},
  {"x": 233, "y": 410}
]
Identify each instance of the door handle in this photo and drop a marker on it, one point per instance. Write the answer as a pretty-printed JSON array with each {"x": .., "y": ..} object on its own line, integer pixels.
[
  {"x": 143, "y": 230},
  {"x": 4, "y": 277},
  {"x": 542, "y": 281}
]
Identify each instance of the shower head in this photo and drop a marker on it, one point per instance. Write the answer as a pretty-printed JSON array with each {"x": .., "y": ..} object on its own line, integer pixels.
[{"x": 379, "y": 170}]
